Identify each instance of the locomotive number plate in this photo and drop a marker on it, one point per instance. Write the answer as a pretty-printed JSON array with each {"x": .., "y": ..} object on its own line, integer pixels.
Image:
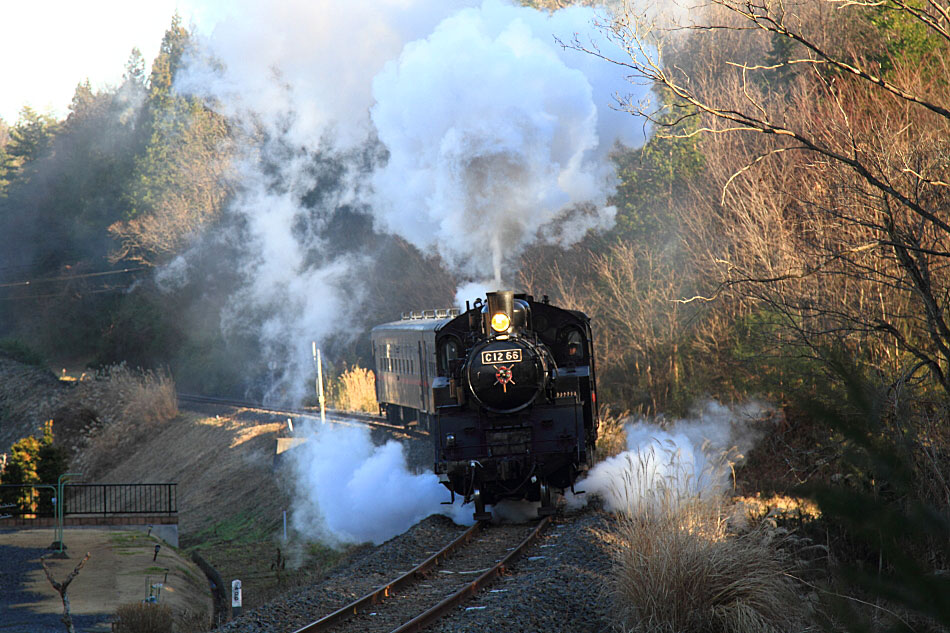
[{"x": 496, "y": 356}]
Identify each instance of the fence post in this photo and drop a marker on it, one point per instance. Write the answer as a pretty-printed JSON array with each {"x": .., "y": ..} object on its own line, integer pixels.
[{"x": 61, "y": 506}]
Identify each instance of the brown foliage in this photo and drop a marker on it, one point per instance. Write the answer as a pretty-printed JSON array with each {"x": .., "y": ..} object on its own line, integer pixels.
[
  {"x": 826, "y": 186},
  {"x": 630, "y": 291},
  {"x": 196, "y": 189},
  {"x": 611, "y": 434}
]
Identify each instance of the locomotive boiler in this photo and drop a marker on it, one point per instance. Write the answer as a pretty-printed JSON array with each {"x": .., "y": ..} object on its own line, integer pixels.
[{"x": 506, "y": 390}]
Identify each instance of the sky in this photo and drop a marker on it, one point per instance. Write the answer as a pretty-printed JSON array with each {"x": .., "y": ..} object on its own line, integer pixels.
[{"x": 47, "y": 47}]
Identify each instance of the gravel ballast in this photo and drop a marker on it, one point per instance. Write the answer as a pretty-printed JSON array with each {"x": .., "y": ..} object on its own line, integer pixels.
[{"x": 556, "y": 586}]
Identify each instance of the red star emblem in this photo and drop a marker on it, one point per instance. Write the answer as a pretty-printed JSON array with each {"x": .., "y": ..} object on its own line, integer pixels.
[{"x": 503, "y": 376}]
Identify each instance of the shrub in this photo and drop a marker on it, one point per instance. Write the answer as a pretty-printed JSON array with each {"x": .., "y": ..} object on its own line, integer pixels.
[
  {"x": 887, "y": 514},
  {"x": 143, "y": 618},
  {"x": 33, "y": 461},
  {"x": 679, "y": 568}
]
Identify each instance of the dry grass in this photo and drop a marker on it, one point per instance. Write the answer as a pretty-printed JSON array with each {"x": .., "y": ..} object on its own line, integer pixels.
[
  {"x": 127, "y": 403},
  {"x": 143, "y": 618},
  {"x": 611, "y": 434},
  {"x": 680, "y": 568},
  {"x": 682, "y": 571},
  {"x": 795, "y": 509},
  {"x": 355, "y": 390}
]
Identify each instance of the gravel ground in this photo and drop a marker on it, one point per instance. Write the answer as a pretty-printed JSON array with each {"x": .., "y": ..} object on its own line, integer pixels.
[
  {"x": 17, "y": 564},
  {"x": 363, "y": 572},
  {"x": 556, "y": 587}
]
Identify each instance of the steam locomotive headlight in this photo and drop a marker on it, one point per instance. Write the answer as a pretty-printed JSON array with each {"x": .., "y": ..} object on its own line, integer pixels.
[{"x": 500, "y": 322}]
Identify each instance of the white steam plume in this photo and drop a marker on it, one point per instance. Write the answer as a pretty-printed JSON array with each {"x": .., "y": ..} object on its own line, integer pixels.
[
  {"x": 295, "y": 80},
  {"x": 497, "y": 136},
  {"x": 305, "y": 67},
  {"x": 688, "y": 459},
  {"x": 474, "y": 290},
  {"x": 351, "y": 491}
]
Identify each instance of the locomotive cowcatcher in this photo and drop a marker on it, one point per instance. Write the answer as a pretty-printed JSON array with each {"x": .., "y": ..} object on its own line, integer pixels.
[{"x": 505, "y": 389}]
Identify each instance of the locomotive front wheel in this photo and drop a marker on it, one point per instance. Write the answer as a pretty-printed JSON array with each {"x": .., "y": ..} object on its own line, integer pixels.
[
  {"x": 547, "y": 506},
  {"x": 480, "y": 514}
]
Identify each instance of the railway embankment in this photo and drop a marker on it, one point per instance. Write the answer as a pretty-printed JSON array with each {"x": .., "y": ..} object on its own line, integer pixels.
[{"x": 29, "y": 396}]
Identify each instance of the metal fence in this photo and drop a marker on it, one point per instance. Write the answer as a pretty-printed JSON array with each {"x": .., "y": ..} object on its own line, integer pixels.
[{"x": 89, "y": 499}]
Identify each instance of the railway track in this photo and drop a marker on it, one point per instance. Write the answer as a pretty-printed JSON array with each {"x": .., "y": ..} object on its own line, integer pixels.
[
  {"x": 332, "y": 415},
  {"x": 437, "y": 585}
]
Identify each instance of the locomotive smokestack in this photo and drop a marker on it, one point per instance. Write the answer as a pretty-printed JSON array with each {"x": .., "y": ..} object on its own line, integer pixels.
[{"x": 500, "y": 302}]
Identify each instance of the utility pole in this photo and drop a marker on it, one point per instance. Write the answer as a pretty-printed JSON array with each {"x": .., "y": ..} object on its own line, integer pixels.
[{"x": 318, "y": 361}]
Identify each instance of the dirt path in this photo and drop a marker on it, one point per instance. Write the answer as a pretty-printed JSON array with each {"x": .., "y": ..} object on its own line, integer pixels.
[{"x": 120, "y": 570}]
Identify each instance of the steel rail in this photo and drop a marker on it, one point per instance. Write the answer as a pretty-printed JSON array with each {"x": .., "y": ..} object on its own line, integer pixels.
[
  {"x": 421, "y": 621},
  {"x": 256, "y": 405},
  {"x": 384, "y": 591},
  {"x": 333, "y": 415}
]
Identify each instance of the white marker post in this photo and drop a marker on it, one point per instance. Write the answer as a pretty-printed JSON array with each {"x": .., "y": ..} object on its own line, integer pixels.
[
  {"x": 235, "y": 598},
  {"x": 319, "y": 361}
]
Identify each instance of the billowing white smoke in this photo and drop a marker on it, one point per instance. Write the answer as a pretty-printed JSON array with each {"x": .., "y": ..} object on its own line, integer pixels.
[
  {"x": 304, "y": 68},
  {"x": 295, "y": 79},
  {"x": 469, "y": 292},
  {"x": 688, "y": 459},
  {"x": 359, "y": 492},
  {"x": 497, "y": 136}
]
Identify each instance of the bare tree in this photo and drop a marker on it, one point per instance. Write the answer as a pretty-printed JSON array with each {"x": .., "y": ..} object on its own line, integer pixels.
[
  {"x": 199, "y": 178},
  {"x": 62, "y": 587},
  {"x": 832, "y": 159},
  {"x": 628, "y": 290}
]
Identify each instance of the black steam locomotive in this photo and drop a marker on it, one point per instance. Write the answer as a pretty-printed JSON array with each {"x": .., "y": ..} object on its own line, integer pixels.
[{"x": 506, "y": 390}]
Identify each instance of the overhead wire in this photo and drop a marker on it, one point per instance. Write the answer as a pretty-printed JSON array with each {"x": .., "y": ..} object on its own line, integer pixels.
[
  {"x": 30, "y": 282},
  {"x": 66, "y": 293}
]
